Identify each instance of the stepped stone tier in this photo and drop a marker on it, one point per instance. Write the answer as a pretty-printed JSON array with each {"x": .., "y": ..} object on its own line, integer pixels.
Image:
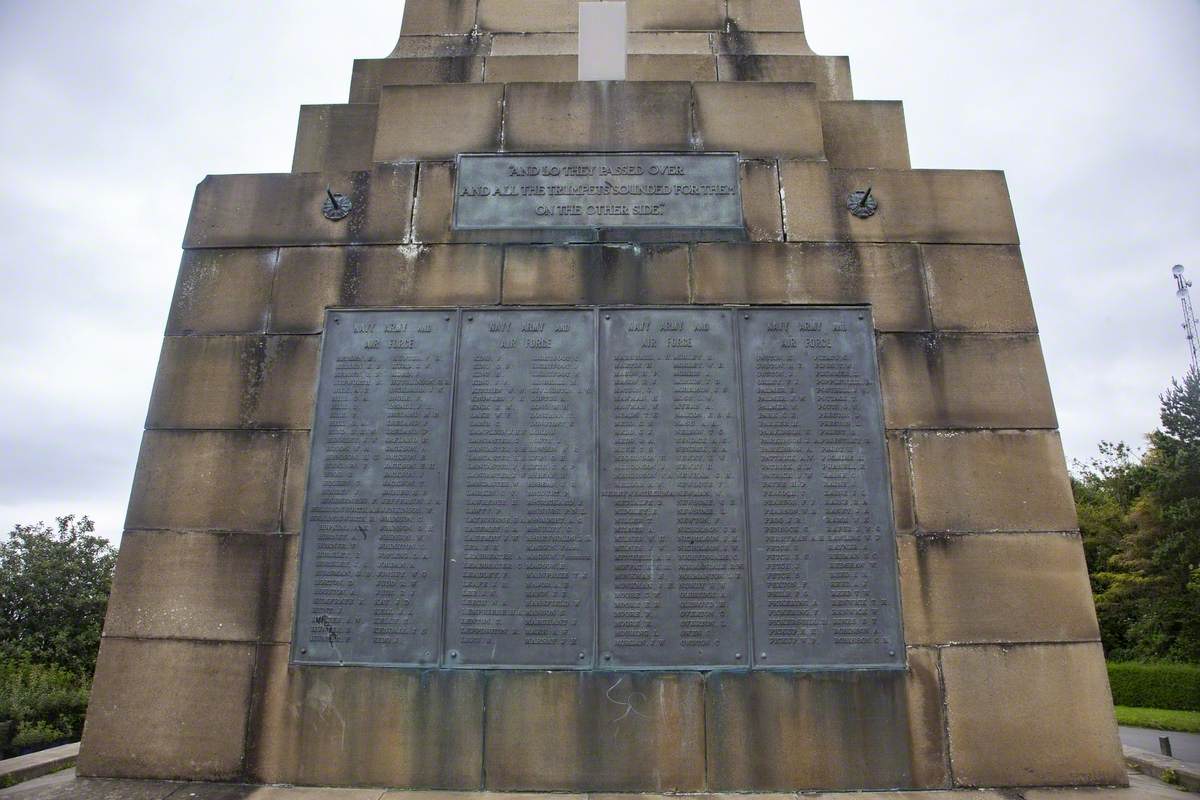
[{"x": 998, "y": 677}]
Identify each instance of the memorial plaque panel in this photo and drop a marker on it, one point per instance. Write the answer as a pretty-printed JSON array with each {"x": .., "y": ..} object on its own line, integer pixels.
[
  {"x": 671, "y": 517},
  {"x": 520, "y": 585},
  {"x": 371, "y": 553},
  {"x": 823, "y": 557},
  {"x": 595, "y": 196}
]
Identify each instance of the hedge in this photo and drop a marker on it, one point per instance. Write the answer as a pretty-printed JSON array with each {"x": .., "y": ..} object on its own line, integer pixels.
[
  {"x": 1171, "y": 686},
  {"x": 40, "y": 706}
]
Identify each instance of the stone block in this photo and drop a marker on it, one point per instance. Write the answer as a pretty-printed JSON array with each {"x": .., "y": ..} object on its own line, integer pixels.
[
  {"x": 604, "y": 116},
  {"x": 295, "y": 482},
  {"x": 454, "y": 118},
  {"x": 932, "y": 206},
  {"x": 901, "y": 480},
  {"x": 216, "y": 480},
  {"x": 978, "y": 288},
  {"x": 935, "y": 380},
  {"x": 335, "y": 138},
  {"x": 438, "y": 17},
  {"x": 452, "y": 46},
  {"x": 365, "y": 726},
  {"x": 528, "y": 16},
  {"x": 285, "y": 209},
  {"x": 311, "y": 279},
  {"x": 677, "y": 15},
  {"x": 865, "y": 134},
  {"x": 594, "y": 731},
  {"x": 766, "y": 43},
  {"x": 1031, "y": 715},
  {"x": 995, "y": 587},
  {"x": 761, "y": 201},
  {"x": 234, "y": 382},
  {"x": 515, "y": 69},
  {"x": 535, "y": 44},
  {"x": 671, "y": 68},
  {"x": 829, "y": 74},
  {"x": 152, "y": 701},
  {"x": 991, "y": 481},
  {"x": 669, "y": 43},
  {"x": 787, "y": 119},
  {"x": 779, "y": 731},
  {"x": 886, "y": 276},
  {"x": 223, "y": 291},
  {"x": 765, "y": 15},
  {"x": 595, "y": 274},
  {"x": 372, "y": 74},
  {"x": 215, "y": 586}
]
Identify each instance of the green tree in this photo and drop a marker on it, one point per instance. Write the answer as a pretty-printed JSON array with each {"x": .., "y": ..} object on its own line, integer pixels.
[{"x": 54, "y": 584}]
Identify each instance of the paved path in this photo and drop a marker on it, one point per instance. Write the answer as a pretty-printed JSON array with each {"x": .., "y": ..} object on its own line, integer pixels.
[{"x": 1184, "y": 746}]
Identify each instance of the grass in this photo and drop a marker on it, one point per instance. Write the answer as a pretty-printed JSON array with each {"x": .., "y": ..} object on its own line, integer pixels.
[{"x": 1159, "y": 718}]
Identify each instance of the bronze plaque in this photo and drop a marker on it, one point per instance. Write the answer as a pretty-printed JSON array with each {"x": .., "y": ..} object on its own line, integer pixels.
[
  {"x": 823, "y": 552},
  {"x": 672, "y": 522},
  {"x": 520, "y": 588},
  {"x": 374, "y": 517}
]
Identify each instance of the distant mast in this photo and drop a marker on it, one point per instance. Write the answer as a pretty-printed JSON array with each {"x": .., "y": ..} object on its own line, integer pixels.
[{"x": 1189, "y": 316}]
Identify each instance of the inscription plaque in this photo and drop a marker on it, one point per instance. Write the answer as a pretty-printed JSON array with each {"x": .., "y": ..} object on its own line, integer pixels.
[
  {"x": 823, "y": 556},
  {"x": 520, "y": 589},
  {"x": 598, "y": 196},
  {"x": 673, "y": 538},
  {"x": 626, "y": 488},
  {"x": 374, "y": 519}
]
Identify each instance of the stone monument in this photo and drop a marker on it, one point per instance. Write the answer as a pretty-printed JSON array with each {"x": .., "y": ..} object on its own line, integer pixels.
[{"x": 670, "y": 434}]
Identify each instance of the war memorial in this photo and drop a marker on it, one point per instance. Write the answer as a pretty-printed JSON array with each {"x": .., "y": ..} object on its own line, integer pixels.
[{"x": 659, "y": 435}]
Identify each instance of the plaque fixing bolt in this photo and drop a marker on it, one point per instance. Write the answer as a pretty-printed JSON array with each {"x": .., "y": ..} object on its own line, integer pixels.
[
  {"x": 454, "y": 654},
  {"x": 582, "y": 656},
  {"x": 738, "y": 656},
  {"x": 303, "y": 651},
  {"x": 762, "y": 654}
]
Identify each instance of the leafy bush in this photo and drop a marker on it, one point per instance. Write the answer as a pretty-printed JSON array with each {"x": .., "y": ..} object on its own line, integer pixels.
[
  {"x": 1171, "y": 686},
  {"x": 46, "y": 704}
]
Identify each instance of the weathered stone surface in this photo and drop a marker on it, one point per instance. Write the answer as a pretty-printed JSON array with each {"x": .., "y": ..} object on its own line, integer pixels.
[
  {"x": 335, "y": 138},
  {"x": 761, "y": 201},
  {"x": 193, "y": 585},
  {"x": 978, "y": 288},
  {"x": 152, "y": 701},
  {"x": 742, "y": 43},
  {"x": 234, "y": 382},
  {"x": 829, "y": 74},
  {"x": 66, "y": 785},
  {"x": 296, "y": 480},
  {"x": 991, "y": 481},
  {"x": 787, "y": 119},
  {"x": 283, "y": 209},
  {"x": 364, "y": 726},
  {"x": 453, "y": 118},
  {"x": 901, "y": 480},
  {"x": 371, "y": 74},
  {"x": 595, "y": 731},
  {"x": 452, "y": 46},
  {"x": 503, "y": 69},
  {"x": 595, "y": 274},
  {"x": 223, "y": 291},
  {"x": 765, "y": 15},
  {"x": 311, "y": 279},
  {"x": 1031, "y": 715},
  {"x": 438, "y": 16},
  {"x": 865, "y": 134},
  {"x": 223, "y": 480},
  {"x": 597, "y": 115},
  {"x": 671, "y": 68},
  {"x": 995, "y": 587},
  {"x": 677, "y": 15},
  {"x": 776, "y": 731},
  {"x": 934, "y": 206},
  {"x": 669, "y": 43},
  {"x": 888, "y": 277},
  {"x": 955, "y": 381},
  {"x": 528, "y": 16}
]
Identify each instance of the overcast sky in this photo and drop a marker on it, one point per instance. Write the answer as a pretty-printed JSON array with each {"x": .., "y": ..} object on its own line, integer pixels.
[{"x": 114, "y": 111}]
